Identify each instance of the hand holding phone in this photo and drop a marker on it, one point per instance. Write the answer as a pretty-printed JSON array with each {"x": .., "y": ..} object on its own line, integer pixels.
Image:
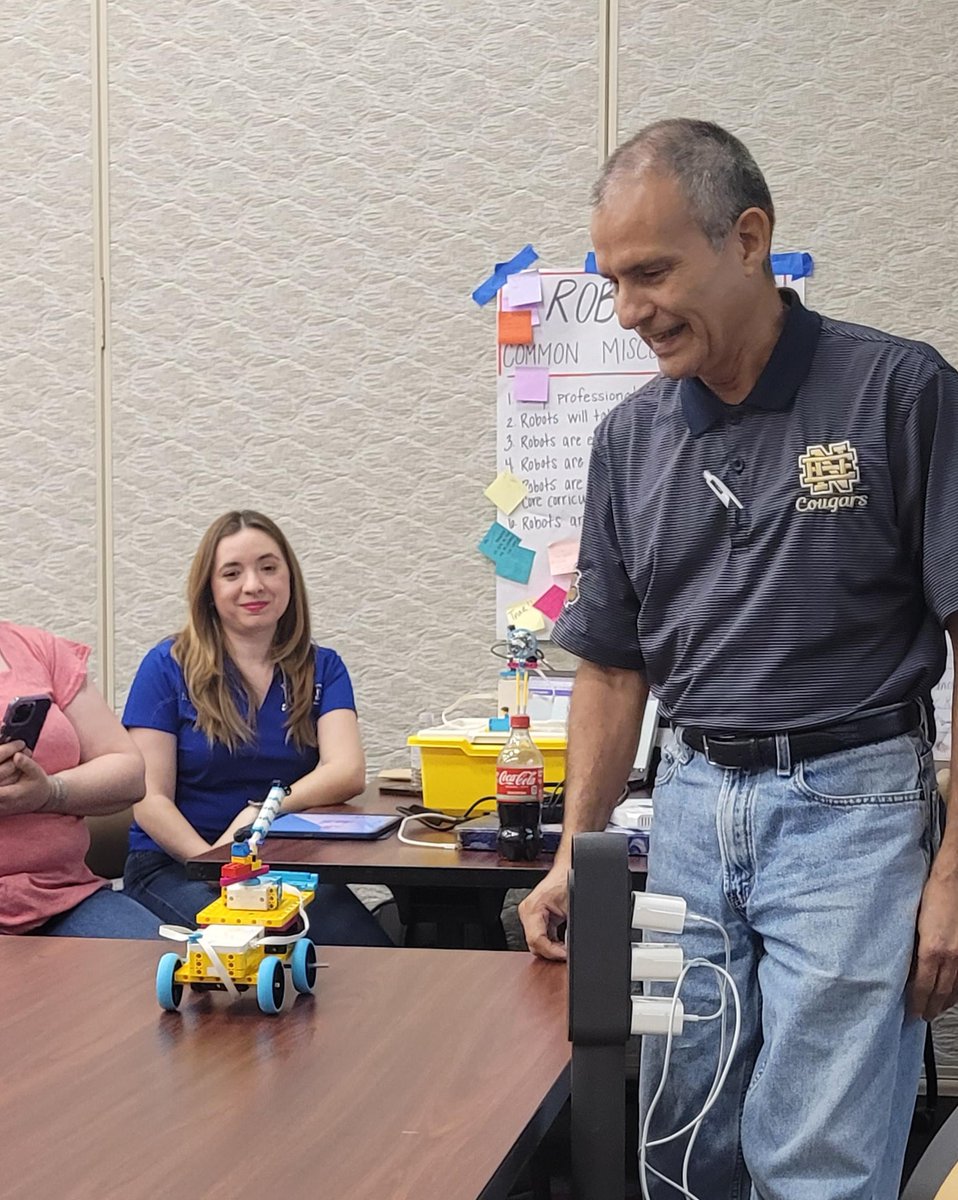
[{"x": 24, "y": 719}]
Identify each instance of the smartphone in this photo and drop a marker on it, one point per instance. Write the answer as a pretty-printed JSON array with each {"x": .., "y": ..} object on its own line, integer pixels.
[{"x": 24, "y": 719}]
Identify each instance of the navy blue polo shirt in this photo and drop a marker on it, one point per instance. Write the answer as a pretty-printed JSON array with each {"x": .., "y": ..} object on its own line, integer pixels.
[
  {"x": 213, "y": 783},
  {"x": 820, "y": 592}
]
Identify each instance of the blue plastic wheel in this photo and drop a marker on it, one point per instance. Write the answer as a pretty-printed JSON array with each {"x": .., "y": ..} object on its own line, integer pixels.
[
  {"x": 303, "y": 966},
  {"x": 169, "y": 993},
  {"x": 270, "y": 984}
]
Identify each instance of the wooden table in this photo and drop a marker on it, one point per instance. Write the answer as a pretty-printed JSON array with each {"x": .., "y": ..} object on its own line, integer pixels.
[
  {"x": 410, "y": 1075},
  {"x": 446, "y": 888}
]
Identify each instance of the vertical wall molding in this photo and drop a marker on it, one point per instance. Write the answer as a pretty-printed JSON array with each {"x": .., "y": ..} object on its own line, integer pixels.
[
  {"x": 102, "y": 399},
  {"x": 608, "y": 77}
]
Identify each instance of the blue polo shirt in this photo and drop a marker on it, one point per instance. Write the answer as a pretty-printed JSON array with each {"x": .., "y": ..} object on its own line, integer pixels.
[
  {"x": 213, "y": 783},
  {"x": 820, "y": 592}
]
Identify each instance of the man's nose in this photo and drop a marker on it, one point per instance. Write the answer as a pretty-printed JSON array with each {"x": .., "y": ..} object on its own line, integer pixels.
[{"x": 633, "y": 307}]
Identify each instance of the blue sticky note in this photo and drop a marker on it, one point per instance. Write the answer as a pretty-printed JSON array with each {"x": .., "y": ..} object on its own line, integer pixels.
[
  {"x": 590, "y": 267},
  {"x": 498, "y": 541},
  {"x": 516, "y": 564},
  {"x": 797, "y": 264}
]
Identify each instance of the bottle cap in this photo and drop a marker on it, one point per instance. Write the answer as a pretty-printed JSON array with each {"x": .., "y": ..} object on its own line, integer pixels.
[{"x": 519, "y": 721}]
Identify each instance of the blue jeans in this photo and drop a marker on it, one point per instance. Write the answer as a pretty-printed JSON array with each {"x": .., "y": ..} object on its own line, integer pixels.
[
  {"x": 105, "y": 914},
  {"x": 336, "y": 916},
  {"x": 816, "y": 870}
]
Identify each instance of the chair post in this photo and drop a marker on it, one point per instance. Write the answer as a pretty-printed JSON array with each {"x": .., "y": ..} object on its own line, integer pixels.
[{"x": 600, "y": 927}]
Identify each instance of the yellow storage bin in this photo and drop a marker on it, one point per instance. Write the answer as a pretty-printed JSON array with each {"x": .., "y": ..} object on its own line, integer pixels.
[{"x": 457, "y": 769}]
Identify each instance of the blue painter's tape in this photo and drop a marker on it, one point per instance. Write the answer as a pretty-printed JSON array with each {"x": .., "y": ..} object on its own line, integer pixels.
[
  {"x": 797, "y": 264},
  {"x": 488, "y": 288},
  {"x": 590, "y": 267}
]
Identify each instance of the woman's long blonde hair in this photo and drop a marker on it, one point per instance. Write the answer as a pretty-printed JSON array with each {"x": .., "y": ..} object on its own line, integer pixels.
[{"x": 200, "y": 647}]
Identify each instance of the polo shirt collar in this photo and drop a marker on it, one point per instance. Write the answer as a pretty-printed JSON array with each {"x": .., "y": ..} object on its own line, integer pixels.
[{"x": 782, "y": 376}]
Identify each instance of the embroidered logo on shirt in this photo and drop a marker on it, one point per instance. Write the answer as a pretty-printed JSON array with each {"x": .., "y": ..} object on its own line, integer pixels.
[{"x": 831, "y": 474}]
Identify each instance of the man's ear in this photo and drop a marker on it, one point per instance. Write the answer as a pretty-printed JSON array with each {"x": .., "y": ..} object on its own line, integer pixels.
[{"x": 753, "y": 232}]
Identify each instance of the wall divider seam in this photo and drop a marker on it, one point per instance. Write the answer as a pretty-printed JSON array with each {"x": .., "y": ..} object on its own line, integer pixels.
[{"x": 102, "y": 392}]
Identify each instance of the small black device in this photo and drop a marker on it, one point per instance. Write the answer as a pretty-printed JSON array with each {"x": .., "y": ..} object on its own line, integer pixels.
[{"x": 24, "y": 719}]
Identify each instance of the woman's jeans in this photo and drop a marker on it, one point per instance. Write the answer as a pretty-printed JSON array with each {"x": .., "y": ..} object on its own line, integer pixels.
[
  {"x": 816, "y": 869},
  {"x": 336, "y": 916}
]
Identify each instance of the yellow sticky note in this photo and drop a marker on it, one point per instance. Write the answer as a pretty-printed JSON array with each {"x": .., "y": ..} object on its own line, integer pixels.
[
  {"x": 525, "y": 615},
  {"x": 506, "y": 491}
]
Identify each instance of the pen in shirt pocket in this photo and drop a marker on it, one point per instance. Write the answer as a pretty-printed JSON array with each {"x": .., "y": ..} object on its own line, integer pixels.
[{"x": 724, "y": 493}]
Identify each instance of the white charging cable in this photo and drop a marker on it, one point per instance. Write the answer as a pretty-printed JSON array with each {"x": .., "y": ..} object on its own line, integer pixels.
[
  {"x": 401, "y": 834},
  {"x": 717, "y": 1084},
  {"x": 668, "y": 914}
]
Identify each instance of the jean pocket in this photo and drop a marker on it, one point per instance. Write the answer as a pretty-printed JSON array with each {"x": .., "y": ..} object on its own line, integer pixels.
[
  {"x": 887, "y": 772},
  {"x": 674, "y": 753}
]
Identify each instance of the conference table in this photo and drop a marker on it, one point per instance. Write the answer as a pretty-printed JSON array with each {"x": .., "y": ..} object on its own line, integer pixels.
[
  {"x": 410, "y": 1074},
  {"x": 451, "y": 890}
]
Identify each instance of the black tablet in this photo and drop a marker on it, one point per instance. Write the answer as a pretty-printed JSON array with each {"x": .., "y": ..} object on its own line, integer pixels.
[{"x": 361, "y": 827}]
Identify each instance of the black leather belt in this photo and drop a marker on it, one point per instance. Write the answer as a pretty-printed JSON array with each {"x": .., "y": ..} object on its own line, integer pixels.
[{"x": 723, "y": 749}]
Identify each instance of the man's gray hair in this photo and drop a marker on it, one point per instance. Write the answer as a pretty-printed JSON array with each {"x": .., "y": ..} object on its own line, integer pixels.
[{"x": 715, "y": 171}]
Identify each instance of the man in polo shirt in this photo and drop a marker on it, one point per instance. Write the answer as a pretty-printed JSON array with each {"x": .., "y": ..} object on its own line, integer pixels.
[{"x": 769, "y": 546}]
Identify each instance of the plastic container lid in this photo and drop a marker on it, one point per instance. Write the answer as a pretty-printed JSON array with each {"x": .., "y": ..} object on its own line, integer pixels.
[{"x": 519, "y": 721}]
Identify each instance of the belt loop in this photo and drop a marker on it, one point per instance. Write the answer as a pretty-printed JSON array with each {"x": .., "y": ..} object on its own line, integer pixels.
[
  {"x": 924, "y": 722},
  {"x": 783, "y": 755}
]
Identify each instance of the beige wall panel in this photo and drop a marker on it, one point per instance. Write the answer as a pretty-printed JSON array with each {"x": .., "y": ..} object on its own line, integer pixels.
[
  {"x": 303, "y": 197},
  {"x": 47, "y": 451},
  {"x": 851, "y": 110}
]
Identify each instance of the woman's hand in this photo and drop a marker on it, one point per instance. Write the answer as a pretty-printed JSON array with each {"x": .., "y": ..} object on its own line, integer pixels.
[
  {"x": 24, "y": 785},
  {"x": 9, "y": 772},
  {"x": 242, "y": 820}
]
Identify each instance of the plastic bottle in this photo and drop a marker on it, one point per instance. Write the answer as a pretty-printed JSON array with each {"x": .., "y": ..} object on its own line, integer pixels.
[
  {"x": 519, "y": 788},
  {"x": 426, "y": 721}
]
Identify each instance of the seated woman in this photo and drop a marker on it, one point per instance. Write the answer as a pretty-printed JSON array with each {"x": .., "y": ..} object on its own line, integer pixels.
[
  {"x": 84, "y": 764},
  {"x": 239, "y": 697}
]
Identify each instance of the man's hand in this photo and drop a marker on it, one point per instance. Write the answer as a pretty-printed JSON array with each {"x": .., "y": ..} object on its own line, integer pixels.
[
  {"x": 544, "y": 910},
  {"x": 24, "y": 785},
  {"x": 934, "y": 983}
]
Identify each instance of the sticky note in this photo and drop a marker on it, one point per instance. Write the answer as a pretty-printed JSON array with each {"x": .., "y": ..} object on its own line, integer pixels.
[
  {"x": 531, "y": 309},
  {"x": 530, "y": 385},
  {"x": 515, "y": 328},
  {"x": 563, "y": 556},
  {"x": 497, "y": 541},
  {"x": 516, "y": 564},
  {"x": 506, "y": 491},
  {"x": 525, "y": 615},
  {"x": 590, "y": 267},
  {"x": 551, "y": 602},
  {"x": 524, "y": 288}
]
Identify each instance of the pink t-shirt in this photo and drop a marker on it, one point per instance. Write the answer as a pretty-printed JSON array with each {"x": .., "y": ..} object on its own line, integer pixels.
[{"x": 42, "y": 872}]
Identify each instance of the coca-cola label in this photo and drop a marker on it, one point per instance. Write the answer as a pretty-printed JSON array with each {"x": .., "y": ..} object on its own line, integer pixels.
[{"x": 519, "y": 783}]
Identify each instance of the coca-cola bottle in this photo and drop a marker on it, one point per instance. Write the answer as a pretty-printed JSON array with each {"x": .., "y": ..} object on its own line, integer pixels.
[{"x": 519, "y": 794}]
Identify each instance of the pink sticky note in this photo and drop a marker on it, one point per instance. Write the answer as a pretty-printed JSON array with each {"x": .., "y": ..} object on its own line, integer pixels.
[
  {"x": 563, "y": 556},
  {"x": 530, "y": 308},
  {"x": 531, "y": 385},
  {"x": 524, "y": 288},
  {"x": 551, "y": 602}
]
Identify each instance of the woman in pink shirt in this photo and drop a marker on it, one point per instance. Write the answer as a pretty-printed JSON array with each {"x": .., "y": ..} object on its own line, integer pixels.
[{"x": 84, "y": 763}]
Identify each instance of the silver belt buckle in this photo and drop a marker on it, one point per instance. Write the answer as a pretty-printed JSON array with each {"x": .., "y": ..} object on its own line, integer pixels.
[{"x": 708, "y": 754}]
